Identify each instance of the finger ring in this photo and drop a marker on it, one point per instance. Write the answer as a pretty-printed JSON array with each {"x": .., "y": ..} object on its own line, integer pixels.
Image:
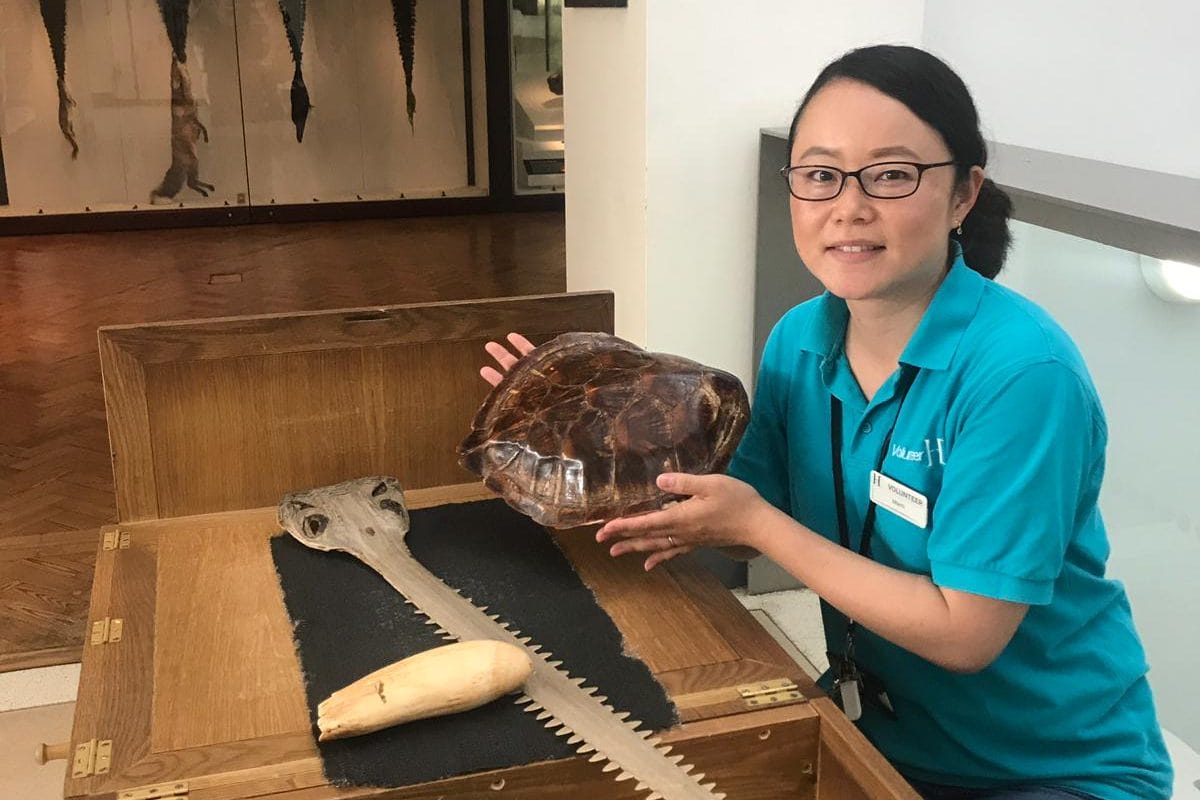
[{"x": 671, "y": 540}]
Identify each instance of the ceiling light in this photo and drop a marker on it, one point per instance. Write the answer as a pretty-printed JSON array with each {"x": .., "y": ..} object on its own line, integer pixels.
[{"x": 1173, "y": 281}]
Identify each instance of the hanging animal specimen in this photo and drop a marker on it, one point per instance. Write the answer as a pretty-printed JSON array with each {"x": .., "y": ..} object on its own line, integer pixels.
[
  {"x": 186, "y": 128},
  {"x": 404, "y": 14},
  {"x": 293, "y": 23},
  {"x": 54, "y": 17}
]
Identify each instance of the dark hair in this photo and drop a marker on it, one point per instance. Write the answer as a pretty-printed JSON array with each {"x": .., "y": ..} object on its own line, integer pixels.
[{"x": 936, "y": 94}]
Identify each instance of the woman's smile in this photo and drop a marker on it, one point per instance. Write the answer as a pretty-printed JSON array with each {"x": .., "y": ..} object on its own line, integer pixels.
[{"x": 856, "y": 251}]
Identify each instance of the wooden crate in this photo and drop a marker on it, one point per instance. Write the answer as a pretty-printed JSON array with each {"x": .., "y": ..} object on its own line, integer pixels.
[{"x": 198, "y": 692}]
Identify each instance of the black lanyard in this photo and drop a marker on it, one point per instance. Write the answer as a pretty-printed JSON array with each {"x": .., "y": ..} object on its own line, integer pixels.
[{"x": 904, "y": 383}]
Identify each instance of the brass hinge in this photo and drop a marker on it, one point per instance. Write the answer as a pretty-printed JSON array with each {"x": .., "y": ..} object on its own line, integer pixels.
[
  {"x": 162, "y": 791},
  {"x": 108, "y": 630},
  {"x": 766, "y": 693},
  {"x": 92, "y": 758},
  {"x": 115, "y": 539}
]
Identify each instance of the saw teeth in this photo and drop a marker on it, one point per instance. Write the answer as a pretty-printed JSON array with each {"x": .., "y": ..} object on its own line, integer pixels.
[{"x": 623, "y": 757}]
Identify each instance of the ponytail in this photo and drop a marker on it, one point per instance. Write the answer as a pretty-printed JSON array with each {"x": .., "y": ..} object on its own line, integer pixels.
[{"x": 985, "y": 237}]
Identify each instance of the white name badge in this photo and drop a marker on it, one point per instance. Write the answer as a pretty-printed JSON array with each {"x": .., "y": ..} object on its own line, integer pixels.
[{"x": 906, "y": 503}]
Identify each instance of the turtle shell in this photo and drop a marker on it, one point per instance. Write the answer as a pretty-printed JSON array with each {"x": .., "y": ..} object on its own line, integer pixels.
[{"x": 580, "y": 428}]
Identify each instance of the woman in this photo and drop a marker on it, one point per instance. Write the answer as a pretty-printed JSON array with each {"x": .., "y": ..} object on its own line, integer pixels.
[{"x": 925, "y": 453}]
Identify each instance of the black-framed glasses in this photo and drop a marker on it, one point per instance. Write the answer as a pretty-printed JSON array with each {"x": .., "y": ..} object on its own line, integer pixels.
[{"x": 887, "y": 180}]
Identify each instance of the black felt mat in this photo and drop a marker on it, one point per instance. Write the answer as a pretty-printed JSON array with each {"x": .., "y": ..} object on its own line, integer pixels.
[{"x": 348, "y": 621}]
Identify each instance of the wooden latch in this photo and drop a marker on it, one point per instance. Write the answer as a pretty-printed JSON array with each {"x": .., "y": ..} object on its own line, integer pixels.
[
  {"x": 766, "y": 693},
  {"x": 115, "y": 539},
  {"x": 177, "y": 790},
  {"x": 92, "y": 758},
  {"x": 108, "y": 630}
]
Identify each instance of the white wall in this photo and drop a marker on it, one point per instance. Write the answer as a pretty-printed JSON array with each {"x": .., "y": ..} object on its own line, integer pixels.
[
  {"x": 664, "y": 102},
  {"x": 1142, "y": 354},
  {"x": 1108, "y": 80},
  {"x": 604, "y": 123}
]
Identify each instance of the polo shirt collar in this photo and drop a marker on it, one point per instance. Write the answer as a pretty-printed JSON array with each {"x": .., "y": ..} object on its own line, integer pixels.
[{"x": 936, "y": 338}]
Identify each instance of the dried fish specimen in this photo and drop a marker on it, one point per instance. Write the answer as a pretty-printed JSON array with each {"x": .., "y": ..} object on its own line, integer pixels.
[{"x": 293, "y": 12}]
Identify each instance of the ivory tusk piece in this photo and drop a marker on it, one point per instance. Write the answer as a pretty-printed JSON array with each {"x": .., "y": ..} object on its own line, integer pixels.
[{"x": 445, "y": 680}]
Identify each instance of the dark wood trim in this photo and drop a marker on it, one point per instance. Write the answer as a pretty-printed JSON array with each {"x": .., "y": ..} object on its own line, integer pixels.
[
  {"x": 425, "y": 207},
  {"x": 464, "y": 15},
  {"x": 298, "y": 212},
  {"x": 498, "y": 66},
  {"x": 35, "y": 659},
  {"x": 123, "y": 220},
  {"x": 3, "y": 178}
]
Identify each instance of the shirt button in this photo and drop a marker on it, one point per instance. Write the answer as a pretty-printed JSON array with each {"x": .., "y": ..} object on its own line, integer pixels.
[{"x": 866, "y": 428}]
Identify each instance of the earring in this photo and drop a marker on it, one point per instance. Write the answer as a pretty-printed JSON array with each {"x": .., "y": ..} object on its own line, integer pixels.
[{"x": 959, "y": 229}]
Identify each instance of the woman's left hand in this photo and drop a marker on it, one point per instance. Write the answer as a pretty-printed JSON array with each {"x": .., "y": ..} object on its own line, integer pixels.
[{"x": 719, "y": 511}]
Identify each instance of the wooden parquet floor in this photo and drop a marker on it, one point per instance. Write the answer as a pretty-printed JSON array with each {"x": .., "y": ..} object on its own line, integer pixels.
[{"x": 55, "y": 479}]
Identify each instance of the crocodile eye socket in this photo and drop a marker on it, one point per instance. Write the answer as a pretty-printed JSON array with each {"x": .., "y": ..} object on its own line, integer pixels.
[
  {"x": 315, "y": 524},
  {"x": 392, "y": 506}
]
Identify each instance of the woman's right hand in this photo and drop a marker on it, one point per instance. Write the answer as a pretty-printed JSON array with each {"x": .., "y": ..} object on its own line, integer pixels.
[{"x": 504, "y": 357}]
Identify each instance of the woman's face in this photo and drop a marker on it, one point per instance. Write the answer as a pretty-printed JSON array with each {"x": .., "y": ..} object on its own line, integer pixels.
[{"x": 864, "y": 248}]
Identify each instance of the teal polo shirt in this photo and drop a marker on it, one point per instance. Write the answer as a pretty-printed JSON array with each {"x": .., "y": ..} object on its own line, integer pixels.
[{"x": 1003, "y": 432}]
